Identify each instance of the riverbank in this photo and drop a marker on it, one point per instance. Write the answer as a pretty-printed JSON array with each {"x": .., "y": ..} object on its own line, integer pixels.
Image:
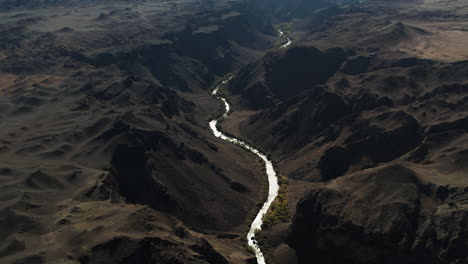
[{"x": 273, "y": 186}]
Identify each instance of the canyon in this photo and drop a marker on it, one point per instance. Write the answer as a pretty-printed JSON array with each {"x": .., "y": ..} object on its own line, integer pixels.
[{"x": 280, "y": 131}]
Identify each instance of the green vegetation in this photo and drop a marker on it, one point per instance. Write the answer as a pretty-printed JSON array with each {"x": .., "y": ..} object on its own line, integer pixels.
[
  {"x": 279, "y": 211},
  {"x": 263, "y": 196},
  {"x": 216, "y": 115}
]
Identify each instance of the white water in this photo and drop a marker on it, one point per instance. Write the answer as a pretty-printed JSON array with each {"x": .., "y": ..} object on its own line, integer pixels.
[
  {"x": 281, "y": 33},
  {"x": 273, "y": 186}
]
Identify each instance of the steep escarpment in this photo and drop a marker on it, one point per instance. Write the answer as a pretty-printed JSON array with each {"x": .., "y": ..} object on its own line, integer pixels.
[
  {"x": 374, "y": 147},
  {"x": 372, "y": 117},
  {"x": 300, "y": 68},
  {"x": 190, "y": 59},
  {"x": 186, "y": 55},
  {"x": 381, "y": 215}
]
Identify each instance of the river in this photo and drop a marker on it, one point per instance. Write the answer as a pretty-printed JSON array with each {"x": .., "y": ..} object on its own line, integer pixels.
[
  {"x": 288, "y": 39},
  {"x": 273, "y": 186}
]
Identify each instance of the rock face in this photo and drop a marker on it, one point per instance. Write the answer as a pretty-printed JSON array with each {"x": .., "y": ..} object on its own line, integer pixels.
[
  {"x": 356, "y": 120},
  {"x": 299, "y": 69},
  {"x": 383, "y": 215},
  {"x": 135, "y": 181},
  {"x": 384, "y": 145}
]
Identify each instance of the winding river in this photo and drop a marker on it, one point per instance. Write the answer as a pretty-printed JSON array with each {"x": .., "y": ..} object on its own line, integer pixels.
[
  {"x": 273, "y": 186},
  {"x": 288, "y": 40}
]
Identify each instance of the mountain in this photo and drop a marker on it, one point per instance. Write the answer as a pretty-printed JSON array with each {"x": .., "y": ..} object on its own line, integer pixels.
[
  {"x": 106, "y": 155},
  {"x": 288, "y": 9},
  {"x": 370, "y": 133}
]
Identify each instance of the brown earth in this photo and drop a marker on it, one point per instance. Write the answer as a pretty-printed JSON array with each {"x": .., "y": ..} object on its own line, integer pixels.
[
  {"x": 371, "y": 133},
  {"x": 105, "y": 151},
  {"x": 106, "y": 155}
]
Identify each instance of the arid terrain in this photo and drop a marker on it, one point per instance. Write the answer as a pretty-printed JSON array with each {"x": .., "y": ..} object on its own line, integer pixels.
[
  {"x": 106, "y": 155},
  {"x": 366, "y": 115},
  {"x": 104, "y": 140}
]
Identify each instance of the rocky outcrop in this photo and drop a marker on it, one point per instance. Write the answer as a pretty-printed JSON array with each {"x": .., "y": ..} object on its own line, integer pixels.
[
  {"x": 282, "y": 75},
  {"x": 383, "y": 215},
  {"x": 379, "y": 146},
  {"x": 148, "y": 250},
  {"x": 135, "y": 181},
  {"x": 334, "y": 162}
]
